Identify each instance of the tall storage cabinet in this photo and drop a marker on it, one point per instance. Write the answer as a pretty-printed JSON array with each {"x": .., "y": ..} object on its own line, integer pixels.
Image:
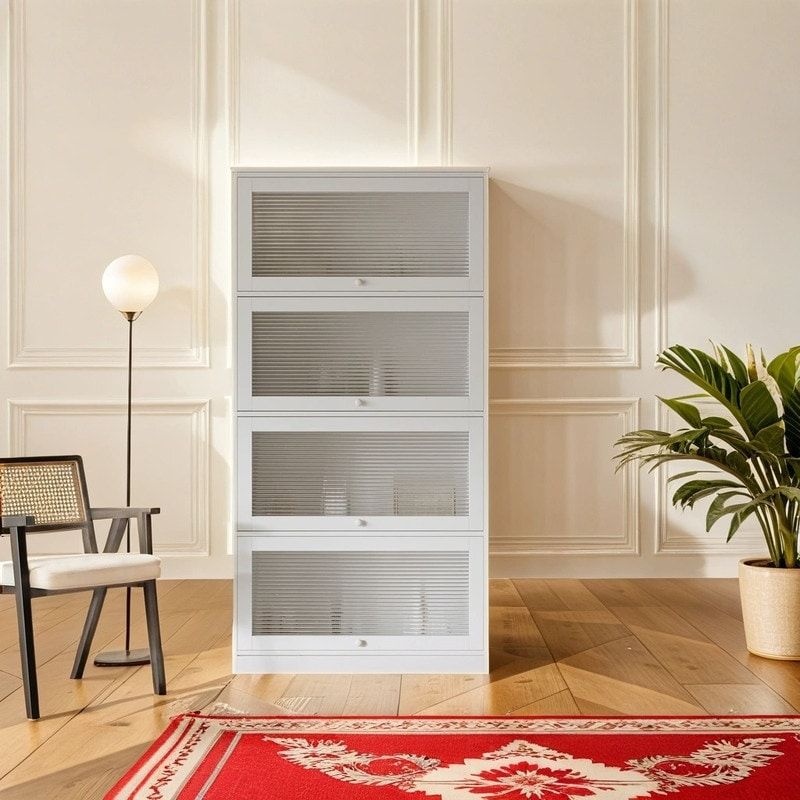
[{"x": 361, "y": 400}]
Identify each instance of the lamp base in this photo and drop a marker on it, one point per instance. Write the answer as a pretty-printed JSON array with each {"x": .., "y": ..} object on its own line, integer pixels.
[{"x": 122, "y": 658}]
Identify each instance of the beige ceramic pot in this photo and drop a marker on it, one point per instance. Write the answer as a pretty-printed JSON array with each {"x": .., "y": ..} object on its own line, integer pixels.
[{"x": 771, "y": 609}]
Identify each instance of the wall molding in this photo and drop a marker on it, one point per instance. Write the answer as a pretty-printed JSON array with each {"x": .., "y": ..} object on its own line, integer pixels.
[
  {"x": 748, "y": 541},
  {"x": 661, "y": 149},
  {"x": 233, "y": 70},
  {"x": 446, "y": 83},
  {"x": 627, "y": 541},
  {"x": 413, "y": 77},
  {"x": 628, "y": 353},
  {"x": 21, "y": 355},
  {"x": 429, "y": 88},
  {"x": 20, "y": 411}
]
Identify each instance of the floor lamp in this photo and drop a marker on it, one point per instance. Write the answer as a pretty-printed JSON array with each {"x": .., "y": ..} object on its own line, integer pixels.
[{"x": 130, "y": 284}]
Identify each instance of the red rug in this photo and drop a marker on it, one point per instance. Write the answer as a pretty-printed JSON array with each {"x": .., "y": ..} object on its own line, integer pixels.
[{"x": 469, "y": 758}]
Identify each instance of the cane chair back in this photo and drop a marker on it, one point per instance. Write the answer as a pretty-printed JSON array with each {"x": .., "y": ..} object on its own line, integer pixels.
[{"x": 52, "y": 489}]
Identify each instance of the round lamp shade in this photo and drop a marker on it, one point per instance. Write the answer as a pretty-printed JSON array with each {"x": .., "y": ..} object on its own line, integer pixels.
[{"x": 130, "y": 283}]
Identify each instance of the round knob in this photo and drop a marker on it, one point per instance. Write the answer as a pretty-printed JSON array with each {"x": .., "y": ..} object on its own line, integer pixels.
[
  {"x": 361, "y": 523},
  {"x": 360, "y": 402},
  {"x": 361, "y": 642},
  {"x": 359, "y": 281}
]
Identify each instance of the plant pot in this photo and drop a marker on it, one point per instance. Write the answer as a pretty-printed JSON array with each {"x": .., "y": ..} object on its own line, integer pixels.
[{"x": 771, "y": 609}]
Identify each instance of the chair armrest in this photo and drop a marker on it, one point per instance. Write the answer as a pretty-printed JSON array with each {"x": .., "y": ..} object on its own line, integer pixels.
[
  {"x": 122, "y": 513},
  {"x": 120, "y": 517},
  {"x": 17, "y": 521}
]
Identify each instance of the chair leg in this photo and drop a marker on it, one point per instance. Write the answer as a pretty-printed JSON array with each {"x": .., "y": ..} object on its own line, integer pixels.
[
  {"x": 89, "y": 628},
  {"x": 27, "y": 653},
  {"x": 154, "y": 637}
]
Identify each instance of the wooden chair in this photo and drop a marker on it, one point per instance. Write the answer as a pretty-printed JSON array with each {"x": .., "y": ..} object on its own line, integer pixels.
[{"x": 49, "y": 494}]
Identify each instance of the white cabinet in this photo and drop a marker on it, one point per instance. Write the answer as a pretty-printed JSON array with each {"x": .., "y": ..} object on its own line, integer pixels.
[
  {"x": 361, "y": 354},
  {"x": 338, "y": 473},
  {"x": 320, "y": 232},
  {"x": 404, "y": 601},
  {"x": 361, "y": 401}
]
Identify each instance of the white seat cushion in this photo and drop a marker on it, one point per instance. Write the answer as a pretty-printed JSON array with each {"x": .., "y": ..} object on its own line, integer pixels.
[{"x": 85, "y": 570}]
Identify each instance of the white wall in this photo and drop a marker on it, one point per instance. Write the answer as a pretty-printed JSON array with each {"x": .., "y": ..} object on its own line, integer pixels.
[{"x": 646, "y": 190}]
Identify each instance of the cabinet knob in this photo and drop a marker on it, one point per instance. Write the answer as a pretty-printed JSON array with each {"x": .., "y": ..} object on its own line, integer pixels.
[
  {"x": 361, "y": 523},
  {"x": 360, "y": 402},
  {"x": 359, "y": 281},
  {"x": 361, "y": 642}
]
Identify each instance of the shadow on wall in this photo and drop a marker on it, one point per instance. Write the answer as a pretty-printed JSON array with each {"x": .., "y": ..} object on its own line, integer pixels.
[
  {"x": 557, "y": 271},
  {"x": 557, "y": 281}
]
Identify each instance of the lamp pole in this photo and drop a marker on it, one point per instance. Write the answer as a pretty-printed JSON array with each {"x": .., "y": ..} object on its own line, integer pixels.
[
  {"x": 130, "y": 317},
  {"x": 129, "y": 282}
]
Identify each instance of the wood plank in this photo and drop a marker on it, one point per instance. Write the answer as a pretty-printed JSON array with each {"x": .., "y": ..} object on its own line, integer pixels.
[
  {"x": 513, "y": 634},
  {"x": 504, "y": 694},
  {"x": 574, "y": 595},
  {"x": 621, "y": 592},
  {"x": 537, "y": 595},
  {"x": 502, "y": 592},
  {"x": 575, "y": 619},
  {"x": 742, "y": 698},
  {"x": 373, "y": 695},
  {"x": 418, "y": 693},
  {"x": 624, "y": 677},
  {"x": 555, "y": 705},
  {"x": 685, "y": 652},
  {"x": 723, "y": 595},
  {"x": 318, "y": 695},
  {"x": 570, "y": 632},
  {"x": 261, "y": 692}
]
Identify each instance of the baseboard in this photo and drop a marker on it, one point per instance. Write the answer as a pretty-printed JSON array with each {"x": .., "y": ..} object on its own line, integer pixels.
[
  {"x": 663, "y": 565},
  {"x": 384, "y": 663},
  {"x": 180, "y": 567}
]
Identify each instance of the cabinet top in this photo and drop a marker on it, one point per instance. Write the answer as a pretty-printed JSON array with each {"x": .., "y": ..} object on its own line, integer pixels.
[{"x": 358, "y": 171}]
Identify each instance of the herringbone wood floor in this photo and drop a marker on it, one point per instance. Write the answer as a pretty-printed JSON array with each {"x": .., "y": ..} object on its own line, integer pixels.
[{"x": 558, "y": 647}]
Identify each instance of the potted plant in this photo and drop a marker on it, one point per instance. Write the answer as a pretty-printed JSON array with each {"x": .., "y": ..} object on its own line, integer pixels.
[{"x": 752, "y": 451}]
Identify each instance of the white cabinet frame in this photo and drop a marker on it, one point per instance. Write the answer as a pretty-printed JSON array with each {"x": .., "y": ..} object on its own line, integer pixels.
[
  {"x": 363, "y": 646},
  {"x": 474, "y": 521},
  {"x": 245, "y": 185},
  {"x": 467, "y": 653},
  {"x": 361, "y": 403}
]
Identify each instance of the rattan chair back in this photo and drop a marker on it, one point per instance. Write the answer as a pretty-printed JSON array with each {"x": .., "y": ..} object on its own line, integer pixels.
[{"x": 52, "y": 490}]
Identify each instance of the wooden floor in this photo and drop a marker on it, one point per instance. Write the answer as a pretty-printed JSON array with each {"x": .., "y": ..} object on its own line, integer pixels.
[{"x": 557, "y": 647}]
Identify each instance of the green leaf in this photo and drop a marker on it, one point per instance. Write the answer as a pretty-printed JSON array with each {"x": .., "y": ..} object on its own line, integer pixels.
[
  {"x": 718, "y": 509},
  {"x": 784, "y": 369},
  {"x": 771, "y": 439},
  {"x": 703, "y": 371},
  {"x": 757, "y": 406},
  {"x": 716, "y": 422},
  {"x": 737, "y": 366},
  {"x": 738, "y": 463},
  {"x": 789, "y": 492},
  {"x": 791, "y": 418},
  {"x": 686, "y": 411},
  {"x": 739, "y": 517},
  {"x": 689, "y": 474},
  {"x": 692, "y": 491}
]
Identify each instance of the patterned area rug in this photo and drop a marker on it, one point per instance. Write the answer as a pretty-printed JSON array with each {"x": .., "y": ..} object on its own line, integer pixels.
[{"x": 468, "y": 758}]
